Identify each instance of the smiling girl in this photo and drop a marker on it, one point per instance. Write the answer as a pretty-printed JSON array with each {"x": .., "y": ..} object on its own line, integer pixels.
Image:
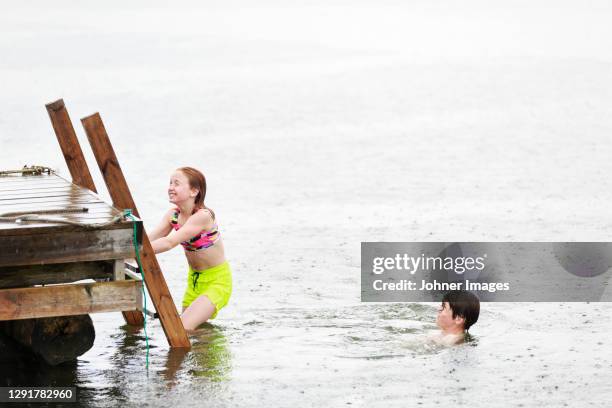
[{"x": 193, "y": 225}]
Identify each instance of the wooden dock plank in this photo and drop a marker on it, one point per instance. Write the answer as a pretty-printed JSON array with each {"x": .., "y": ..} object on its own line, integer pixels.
[
  {"x": 28, "y": 178},
  {"x": 105, "y": 213},
  {"x": 7, "y": 182},
  {"x": 72, "y": 194},
  {"x": 38, "y": 189},
  {"x": 84, "y": 218},
  {"x": 36, "y": 229},
  {"x": 4, "y": 227},
  {"x": 68, "y": 246},
  {"x": 35, "y": 206},
  {"x": 63, "y": 194},
  {"x": 92, "y": 208},
  {"x": 17, "y": 178},
  {"x": 31, "y": 275},
  {"x": 100, "y": 213},
  {"x": 33, "y": 180},
  {"x": 65, "y": 300},
  {"x": 52, "y": 201},
  {"x": 43, "y": 185},
  {"x": 45, "y": 180}
]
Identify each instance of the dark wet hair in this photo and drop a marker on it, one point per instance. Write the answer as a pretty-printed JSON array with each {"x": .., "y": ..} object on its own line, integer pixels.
[
  {"x": 197, "y": 181},
  {"x": 463, "y": 304}
]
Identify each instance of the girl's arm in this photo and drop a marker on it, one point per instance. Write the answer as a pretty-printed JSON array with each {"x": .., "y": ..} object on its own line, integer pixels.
[
  {"x": 163, "y": 228},
  {"x": 196, "y": 223}
]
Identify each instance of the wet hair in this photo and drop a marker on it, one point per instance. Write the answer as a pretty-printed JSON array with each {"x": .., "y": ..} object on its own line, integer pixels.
[
  {"x": 198, "y": 181},
  {"x": 463, "y": 304}
]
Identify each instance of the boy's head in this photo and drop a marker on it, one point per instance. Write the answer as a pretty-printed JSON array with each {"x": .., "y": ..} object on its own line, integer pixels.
[{"x": 459, "y": 311}]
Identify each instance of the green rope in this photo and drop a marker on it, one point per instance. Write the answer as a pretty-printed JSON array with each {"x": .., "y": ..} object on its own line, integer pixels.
[{"x": 128, "y": 213}]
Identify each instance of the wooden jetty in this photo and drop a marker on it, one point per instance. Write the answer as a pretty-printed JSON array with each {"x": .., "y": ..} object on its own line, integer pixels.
[
  {"x": 56, "y": 233},
  {"x": 47, "y": 253}
]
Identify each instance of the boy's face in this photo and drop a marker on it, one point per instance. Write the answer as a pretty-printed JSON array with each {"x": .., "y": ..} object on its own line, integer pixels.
[{"x": 445, "y": 319}]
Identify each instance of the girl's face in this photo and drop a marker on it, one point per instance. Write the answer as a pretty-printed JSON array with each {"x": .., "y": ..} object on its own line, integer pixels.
[{"x": 179, "y": 190}]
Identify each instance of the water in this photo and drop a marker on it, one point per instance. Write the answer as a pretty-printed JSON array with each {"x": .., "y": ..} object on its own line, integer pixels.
[
  {"x": 358, "y": 355},
  {"x": 320, "y": 125}
]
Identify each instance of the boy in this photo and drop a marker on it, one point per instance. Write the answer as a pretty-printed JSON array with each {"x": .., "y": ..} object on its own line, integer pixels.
[{"x": 458, "y": 312}]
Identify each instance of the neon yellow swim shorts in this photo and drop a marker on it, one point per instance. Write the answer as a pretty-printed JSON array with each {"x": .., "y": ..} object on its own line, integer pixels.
[{"x": 215, "y": 283}]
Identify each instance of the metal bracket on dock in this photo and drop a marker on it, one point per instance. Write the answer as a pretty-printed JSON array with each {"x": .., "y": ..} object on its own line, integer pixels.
[{"x": 29, "y": 170}]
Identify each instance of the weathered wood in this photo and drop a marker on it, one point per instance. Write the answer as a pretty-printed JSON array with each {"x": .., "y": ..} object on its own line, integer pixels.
[
  {"x": 55, "y": 191},
  {"x": 122, "y": 198},
  {"x": 50, "y": 202},
  {"x": 66, "y": 136},
  {"x": 74, "y": 246},
  {"x": 54, "y": 340},
  {"x": 92, "y": 207},
  {"x": 75, "y": 299},
  {"x": 77, "y": 165},
  {"x": 84, "y": 217},
  {"x": 23, "y": 179},
  {"x": 37, "y": 187},
  {"x": 90, "y": 213},
  {"x": 75, "y": 196},
  {"x": 30, "y": 275},
  {"x": 118, "y": 270},
  {"x": 31, "y": 228}
]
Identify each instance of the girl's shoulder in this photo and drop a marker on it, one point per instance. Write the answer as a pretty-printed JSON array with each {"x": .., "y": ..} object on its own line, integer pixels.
[
  {"x": 171, "y": 212},
  {"x": 172, "y": 215},
  {"x": 205, "y": 216}
]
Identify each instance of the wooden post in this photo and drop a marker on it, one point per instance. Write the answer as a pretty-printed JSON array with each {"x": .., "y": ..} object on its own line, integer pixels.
[
  {"x": 79, "y": 171},
  {"x": 70, "y": 145},
  {"x": 120, "y": 193}
]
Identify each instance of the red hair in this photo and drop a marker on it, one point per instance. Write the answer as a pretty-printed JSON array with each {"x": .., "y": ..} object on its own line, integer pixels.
[{"x": 198, "y": 181}]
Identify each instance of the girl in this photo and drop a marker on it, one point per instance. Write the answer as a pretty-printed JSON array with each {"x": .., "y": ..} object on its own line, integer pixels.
[{"x": 191, "y": 224}]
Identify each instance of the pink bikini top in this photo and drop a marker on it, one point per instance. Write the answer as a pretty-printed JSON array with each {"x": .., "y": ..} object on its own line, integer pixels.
[{"x": 203, "y": 240}]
